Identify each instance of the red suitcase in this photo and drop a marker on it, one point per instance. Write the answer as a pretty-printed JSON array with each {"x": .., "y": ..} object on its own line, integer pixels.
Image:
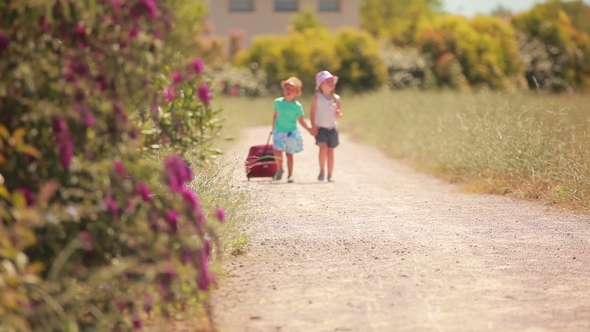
[{"x": 260, "y": 162}]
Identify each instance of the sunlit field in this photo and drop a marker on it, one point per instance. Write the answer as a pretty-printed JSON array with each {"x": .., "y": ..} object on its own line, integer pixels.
[{"x": 529, "y": 146}]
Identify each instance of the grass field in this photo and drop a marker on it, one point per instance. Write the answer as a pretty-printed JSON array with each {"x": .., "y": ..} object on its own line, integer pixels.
[{"x": 526, "y": 145}]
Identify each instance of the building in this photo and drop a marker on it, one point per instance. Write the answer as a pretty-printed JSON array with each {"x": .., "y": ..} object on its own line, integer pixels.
[{"x": 260, "y": 17}]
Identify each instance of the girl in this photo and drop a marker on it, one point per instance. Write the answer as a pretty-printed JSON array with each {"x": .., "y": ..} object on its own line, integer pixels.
[
  {"x": 325, "y": 110},
  {"x": 286, "y": 136}
]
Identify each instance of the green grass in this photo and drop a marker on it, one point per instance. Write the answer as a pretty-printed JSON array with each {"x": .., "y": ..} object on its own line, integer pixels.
[{"x": 529, "y": 146}]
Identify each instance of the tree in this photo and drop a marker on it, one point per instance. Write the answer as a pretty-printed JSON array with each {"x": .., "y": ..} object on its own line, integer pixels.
[
  {"x": 305, "y": 20},
  {"x": 396, "y": 20},
  {"x": 501, "y": 11},
  {"x": 555, "y": 52}
]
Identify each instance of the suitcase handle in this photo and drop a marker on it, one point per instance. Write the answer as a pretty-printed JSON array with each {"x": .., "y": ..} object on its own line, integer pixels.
[{"x": 267, "y": 143}]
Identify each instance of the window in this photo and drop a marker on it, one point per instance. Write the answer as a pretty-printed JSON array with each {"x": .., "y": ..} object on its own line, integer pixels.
[
  {"x": 286, "y": 5},
  {"x": 329, "y": 6},
  {"x": 241, "y": 5}
]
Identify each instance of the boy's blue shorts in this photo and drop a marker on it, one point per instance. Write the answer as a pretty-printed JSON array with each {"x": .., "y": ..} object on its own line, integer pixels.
[{"x": 290, "y": 141}]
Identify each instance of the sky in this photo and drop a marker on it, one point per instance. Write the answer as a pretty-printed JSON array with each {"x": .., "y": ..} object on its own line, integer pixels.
[{"x": 472, "y": 7}]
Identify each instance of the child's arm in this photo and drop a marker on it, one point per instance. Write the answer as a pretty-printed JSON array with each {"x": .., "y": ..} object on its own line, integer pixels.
[
  {"x": 274, "y": 120},
  {"x": 339, "y": 104},
  {"x": 312, "y": 112},
  {"x": 302, "y": 121}
]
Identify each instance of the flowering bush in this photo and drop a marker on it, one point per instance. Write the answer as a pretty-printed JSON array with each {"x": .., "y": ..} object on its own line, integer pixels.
[
  {"x": 93, "y": 236},
  {"x": 407, "y": 68},
  {"x": 236, "y": 81}
]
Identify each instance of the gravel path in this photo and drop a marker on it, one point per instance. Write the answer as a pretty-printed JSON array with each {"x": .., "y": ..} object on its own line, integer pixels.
[{"x": 387, "y": 249}]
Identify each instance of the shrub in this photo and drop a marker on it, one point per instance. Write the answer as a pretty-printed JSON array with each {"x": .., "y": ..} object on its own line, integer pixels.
[
  {"x": 309, "y": 49},
  {"x": 300, "y": 54},
  {"x": 484, "y": 48},
  {"x": 92, "y": 236},
  {"x": 363, "y": 67},
  {"x": 234, "y": 81},
  {"x": 407, "y": 68},
  {"x": 556, "y": 55},
  {"x": 396, "y": 21}
]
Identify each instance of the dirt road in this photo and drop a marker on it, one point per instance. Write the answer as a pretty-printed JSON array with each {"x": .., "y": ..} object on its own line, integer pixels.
[{"x": 386, "y": 249}]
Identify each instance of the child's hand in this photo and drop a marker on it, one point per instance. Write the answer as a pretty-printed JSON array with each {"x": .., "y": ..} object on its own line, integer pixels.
[
  {"x": 338, "y": 113},
  {"x": 313, "y": 132}
]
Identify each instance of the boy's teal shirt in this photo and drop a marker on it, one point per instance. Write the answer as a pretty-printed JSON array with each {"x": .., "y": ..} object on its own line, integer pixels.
[{"x": 287, "y": 114}]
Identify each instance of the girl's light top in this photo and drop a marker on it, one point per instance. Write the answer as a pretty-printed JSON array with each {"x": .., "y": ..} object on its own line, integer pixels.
[{"x": 325, "y": 115}]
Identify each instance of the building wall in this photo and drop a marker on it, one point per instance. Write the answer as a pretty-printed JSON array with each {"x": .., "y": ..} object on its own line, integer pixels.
[{"x": 264, "y": 19}]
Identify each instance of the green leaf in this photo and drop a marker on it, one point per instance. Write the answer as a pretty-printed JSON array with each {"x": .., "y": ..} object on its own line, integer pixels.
[
  {"x": 18, "y": 135},
  {"x": 29, "y": 150},
  {"x": 18, "y": 200},
  {"x": 5, "y": 193},
  {"x": 4, "y": 133}
]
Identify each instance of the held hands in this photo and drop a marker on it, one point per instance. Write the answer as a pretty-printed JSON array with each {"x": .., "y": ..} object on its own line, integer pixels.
[{"x": 313, "y": 131}]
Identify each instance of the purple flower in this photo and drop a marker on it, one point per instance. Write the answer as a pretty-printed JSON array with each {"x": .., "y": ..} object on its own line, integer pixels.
[
  {"x": 177, "y": 172},
  {"x": 150, "y": 7},
  {"x": 28, "y": 196},
  {"x": 220, "y": 214},
  {"x": 111, "y": 206},
  {"x": 133, "y": 33},
  {"x": 3, "y": 42},
  {"x": 190, "y": 197},
  {"x": 197, "y": 66},
  {"x": 176, "y": 77},
  {"x": 121, "y": 305},
  {"x": 154, "y": 109},
  {"x": 137, "y": 323},
  {"x": 44, "y": 25},
  {"x": 144, "y": 191},
  {"x": 169, "y": 94},
  {"x": 172, "y": 219},
  {"x": 204, "y": 93},
  {"x": 116, "y": 4},
  {"x": 86, "y": 241},
  {"x": 100, "y": 83},
  {"x": 78, "y": 68},
  {"x": 63, "y": 140},
  {"x": 80, "y": 32},
  {"x": 59, "y": 125},
  {"x": 120, "y": 169},
  {"x": 66, "y": 150},
  {"x": 168, "y": 275},
  {"x": 88, "y": 120},
  {"x": 85, "y": 114},
  {"x": 148, "y": 303},
  {"x": 204, "y": 279}
]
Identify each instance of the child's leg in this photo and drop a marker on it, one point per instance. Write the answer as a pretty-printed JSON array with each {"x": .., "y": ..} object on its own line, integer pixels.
[
  {"x": 279, "y": 158},
  {"x": 290, "y": 164},
  {"x": 323, "y": 156},
  {"x": 330, "y": 157}
]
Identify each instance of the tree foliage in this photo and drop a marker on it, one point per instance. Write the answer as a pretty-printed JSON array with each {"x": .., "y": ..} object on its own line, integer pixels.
[
  {"x": 396, "y": 21},
  {"x": 484, "y": 48},
  {"x": 310, "y": 47},
  {"x": 555, "y": 52}
]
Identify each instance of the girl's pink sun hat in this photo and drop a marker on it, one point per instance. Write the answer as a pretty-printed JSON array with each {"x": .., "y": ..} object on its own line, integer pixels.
[{"x": 322, "y": 76}]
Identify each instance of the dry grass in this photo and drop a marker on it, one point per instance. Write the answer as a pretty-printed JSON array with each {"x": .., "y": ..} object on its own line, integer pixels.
[{"x": 526, "y": 145}]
